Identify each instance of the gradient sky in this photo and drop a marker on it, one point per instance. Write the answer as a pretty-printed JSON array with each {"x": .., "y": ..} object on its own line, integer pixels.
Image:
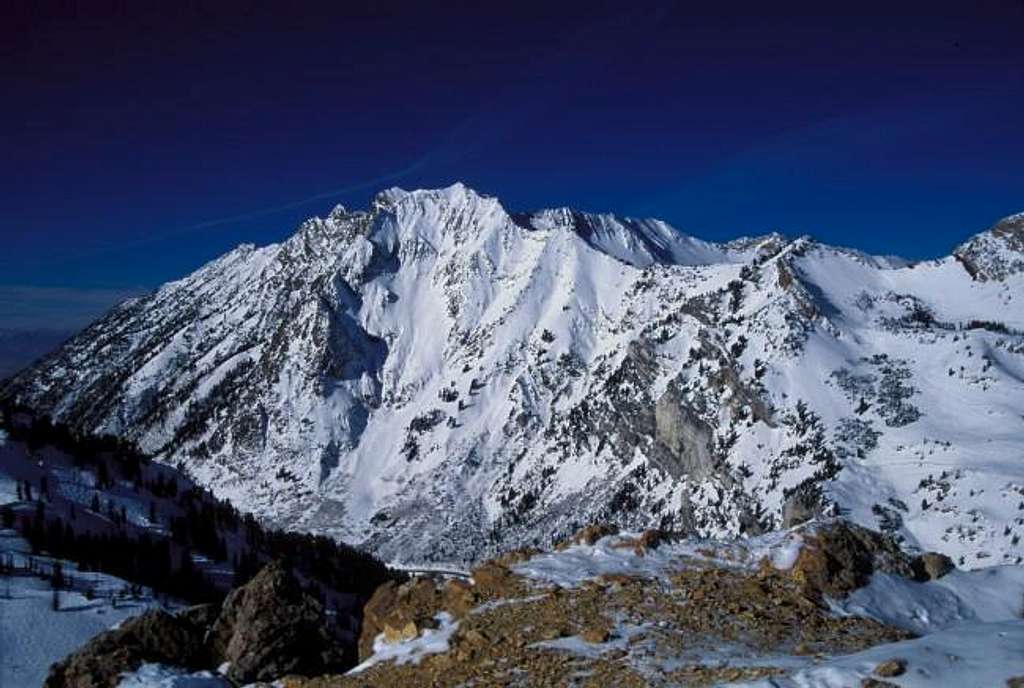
[{"x": 141, "y": 139}]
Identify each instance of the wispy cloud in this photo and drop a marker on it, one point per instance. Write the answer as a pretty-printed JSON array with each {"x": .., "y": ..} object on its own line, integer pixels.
[{"x": 62, "y": 309}]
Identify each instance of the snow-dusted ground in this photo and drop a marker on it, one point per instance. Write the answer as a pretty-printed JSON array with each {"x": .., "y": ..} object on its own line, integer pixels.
[
  {"x": 159, "y": 676},
  {"x": 969, "y": 655},
  {"x": 32, "y": 635},
  {"x": 986, "y": 595},
  {"x": 614, "y": 554},
  {"x": 971, "y": 622}
]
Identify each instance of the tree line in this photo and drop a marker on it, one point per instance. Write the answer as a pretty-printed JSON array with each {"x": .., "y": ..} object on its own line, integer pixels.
[{"x": 184, "y": 520}]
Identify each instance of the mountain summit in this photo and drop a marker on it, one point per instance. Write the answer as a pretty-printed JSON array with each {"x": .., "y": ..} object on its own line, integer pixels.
[{"x": 437, "y": 379}]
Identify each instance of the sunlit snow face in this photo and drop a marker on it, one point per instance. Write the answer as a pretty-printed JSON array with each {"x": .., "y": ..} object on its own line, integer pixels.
[{"x": 437, "y": 378}]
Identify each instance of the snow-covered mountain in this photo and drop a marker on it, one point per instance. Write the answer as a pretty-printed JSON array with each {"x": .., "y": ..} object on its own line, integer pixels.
[{"x": 438, "y": 378}]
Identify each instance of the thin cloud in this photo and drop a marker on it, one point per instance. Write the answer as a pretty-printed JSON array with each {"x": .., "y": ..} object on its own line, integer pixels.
[
  {"x": 25, "y": 308},
  {"x": 185, "y": 230}
]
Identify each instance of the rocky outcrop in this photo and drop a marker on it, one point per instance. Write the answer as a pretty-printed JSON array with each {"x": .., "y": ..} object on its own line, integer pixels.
[
  {"x": 156, "y": 636},
  {"x": 682, "y": 439},
  {"x": 265, "y": 629},
  {"x": 802, "y": 505},
  {"x": 513, "y": 630},
  {"x": 838, "y": 557},
  {"x": 588, "y": 535},
  {"x": 996, "y": 254},
  {"x": 270, "y": 627},
  {"x": 931, "y": 566},
  {"x": 640, "y": 599},
  {"x": 401, "y": 612}
]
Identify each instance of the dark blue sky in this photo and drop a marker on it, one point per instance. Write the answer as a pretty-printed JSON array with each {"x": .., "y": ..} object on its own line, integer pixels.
[{"x": 889, "y": 126}]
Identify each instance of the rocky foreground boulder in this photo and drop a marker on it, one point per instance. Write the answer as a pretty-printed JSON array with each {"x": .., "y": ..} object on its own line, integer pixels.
[
  {"x": 270, "y": 628},
  {"x": 156, "y": 637},
  {"x": 265, "y": 629}
]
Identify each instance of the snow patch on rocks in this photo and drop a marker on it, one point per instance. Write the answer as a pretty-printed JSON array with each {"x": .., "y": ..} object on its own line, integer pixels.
[{"x": 429, "y": 641}]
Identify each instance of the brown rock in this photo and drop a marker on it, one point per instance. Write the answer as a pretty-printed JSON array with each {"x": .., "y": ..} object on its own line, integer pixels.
[
  {"x": 840, "y": 557},
  {"x": 270, "y": 628},
  {"x": 393, "y": 607},
  {"x": 896, "y": 666},
  {"x": 458, "y": 597},
  {"x": 595, "y": 635},
  {"x": 419, "y": 592},
  {"x": 701, "y": 605},
  {"x": 494, "y": 580},
  {"x": 653, "y": 538},
  {"x": 931, "y": 566},
  {"x": 375, "y": 613},
  {"x": 553, "y": 633},
  {"x": 155, "y": 636},
  {"x": 876, "y": 683},
  {"x": 475, "y": 637},
  {"x": 616, "y": 580},
  {"x": 1015, "y": 682},
  {"x": 516, "y": 556},
  {"x": 588, "y": 535},
  {"x": 396, "y": 635}
]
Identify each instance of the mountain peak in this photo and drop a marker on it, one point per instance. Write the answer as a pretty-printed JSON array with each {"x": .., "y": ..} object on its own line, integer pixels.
[
  {"x": 1011, "y": 228},
  {"x": 454, "y": 194},
  {"x": 636, "y": 242},
  {"x": 996, "y": 253}
]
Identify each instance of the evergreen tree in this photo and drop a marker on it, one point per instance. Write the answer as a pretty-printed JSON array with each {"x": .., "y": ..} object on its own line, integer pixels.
[
  {"x": 57, "y": 576},
  {"x": 103, "y": 475}
]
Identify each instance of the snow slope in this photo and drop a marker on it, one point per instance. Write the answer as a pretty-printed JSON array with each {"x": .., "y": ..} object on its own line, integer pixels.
[
  {"x": 32, "y": 635},
  {"x": 967, "y": 655},
  {"x": 436, "y": 378}
]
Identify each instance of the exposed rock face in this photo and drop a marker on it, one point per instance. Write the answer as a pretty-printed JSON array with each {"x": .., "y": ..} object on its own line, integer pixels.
[
  {"x": 589, "y": 535},
  {"x": 932, "y": 565},
  {"x": 614, "y": 610},
  {"x": 801, "y": 506},
  {"x": 897, "y": 666},
  {"x": 265, "y": 629},
  {"x": 155, "y": 636},
  {"x": 683, "y": 440},
  {"x": 840, "y": 557},
  {"x": 996, "y": 254},
  {"x": 269, "y": 628},
  {"x": 401, "y": 611}
]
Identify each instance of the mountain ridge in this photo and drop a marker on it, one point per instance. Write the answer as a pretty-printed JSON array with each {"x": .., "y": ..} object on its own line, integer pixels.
[{"x": 436, "y": 378}]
